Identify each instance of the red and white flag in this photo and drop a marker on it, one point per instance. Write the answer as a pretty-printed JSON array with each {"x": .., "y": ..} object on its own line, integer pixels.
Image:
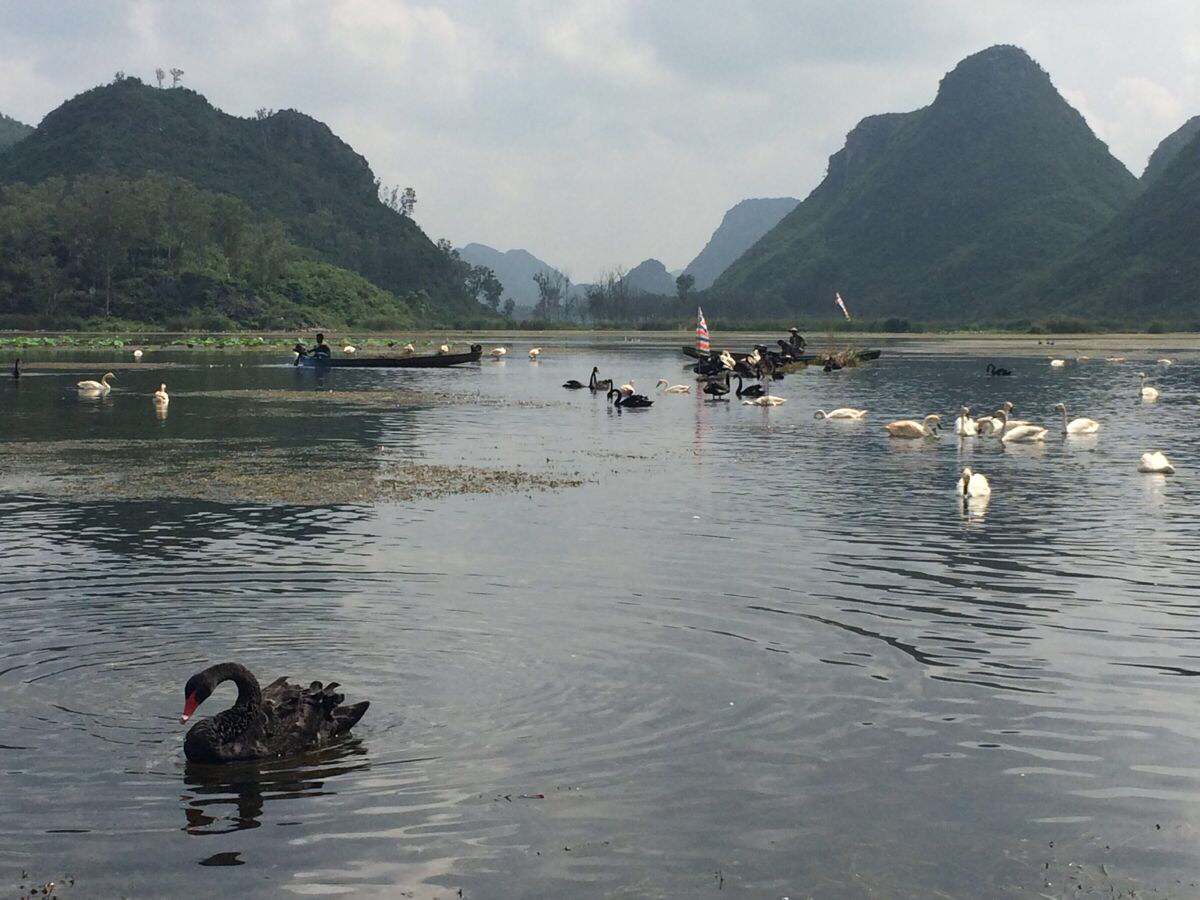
[
  {"x": 837, "y": 298},
  {"x": 701, "y": 331}
]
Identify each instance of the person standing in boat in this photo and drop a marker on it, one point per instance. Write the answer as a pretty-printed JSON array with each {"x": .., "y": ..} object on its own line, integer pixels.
[{"x": 796, "y": 341}]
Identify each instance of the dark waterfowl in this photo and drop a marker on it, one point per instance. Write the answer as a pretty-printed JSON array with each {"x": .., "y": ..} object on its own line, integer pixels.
[
  {"x": 629, "y": 401},
  {"x": 992, "y": 370},
  {"x": 755, "y": 390},
  {"x": 596, "y": 383},
  {"x": 717, "y": 389},
  {"x": 280, "y": 720},
  {"x": 17, "y": 369},
  {"x": 574, "y": 385}
]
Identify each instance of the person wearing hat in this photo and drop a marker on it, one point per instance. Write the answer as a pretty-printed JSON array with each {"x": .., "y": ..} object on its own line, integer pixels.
[{"x": 797, "y": 341}]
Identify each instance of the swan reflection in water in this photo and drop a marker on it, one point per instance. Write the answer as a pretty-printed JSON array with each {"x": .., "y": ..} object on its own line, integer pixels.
[{"x": 219, "y": 799}]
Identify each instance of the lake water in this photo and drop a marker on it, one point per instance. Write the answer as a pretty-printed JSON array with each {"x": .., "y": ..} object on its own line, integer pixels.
[{"x": 749, "y": 654}]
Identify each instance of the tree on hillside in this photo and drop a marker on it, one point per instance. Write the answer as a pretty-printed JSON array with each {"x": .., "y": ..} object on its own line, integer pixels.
[
  {"x": 176, "y": 74},
  {"x": 408, "y": 202},
  {"x": 683, "y": 286},
  {"x": 160, "y": 75}
]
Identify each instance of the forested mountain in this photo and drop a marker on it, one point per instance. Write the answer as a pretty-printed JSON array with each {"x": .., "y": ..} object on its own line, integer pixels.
[
  {"x": 158, "y": 249},
  {"x": 283, "y": 165},
  {"x": 12, "y": 131},
  {"x": 935, "y": 214},
  {"x": 1144, "y": 266},
  {"x": 514, "y": 268},
  {"x": 1168, "y": 147},
  {"x": 651, "y": 277},
  {"x": 740, "y": 228}
]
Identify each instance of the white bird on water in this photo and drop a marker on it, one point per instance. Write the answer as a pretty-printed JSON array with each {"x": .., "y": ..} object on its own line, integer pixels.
[
  {"x": 911, "y": 428},
  {"x": 1156, "y": 461},
  {"x": 1081, "y": 425},
  {"x": 161, "y": 398},
  {"x": 973, "y": 484},
  {"x": 1147, "y": 393},
  {"x": 765, "y": 400},
  {"x": 1057, "y": 363},
  {"x": 137, "y": 355},
  {"x": 535, "y": 353},
  {"x": 1166, "y": 362},
  {"x": 445, "y": 348},
  {"x": 667, "y": 388},
  {"x": 497, "y": 353},
  {"x": 96, "y": 387},
  {"x": 964, "y": 425},
  {"x": 842, "y": 412},
  {"x": 350, "y": 349},
  {"x": 626, "y": 389},
  {"x": 1018, "y": 434}
]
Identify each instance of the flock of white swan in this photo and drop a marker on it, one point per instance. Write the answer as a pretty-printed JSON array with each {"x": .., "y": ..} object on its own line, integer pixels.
[{"x": 101, "y": 388}]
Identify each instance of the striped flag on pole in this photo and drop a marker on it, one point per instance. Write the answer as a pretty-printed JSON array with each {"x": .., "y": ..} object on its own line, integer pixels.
[
  {"x": 701, "y": 331},
  {"x": 837, "y": 298}
]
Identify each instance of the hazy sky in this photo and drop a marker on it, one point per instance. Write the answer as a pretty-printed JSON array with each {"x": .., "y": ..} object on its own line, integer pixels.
[{"x": 596, "y": 133}]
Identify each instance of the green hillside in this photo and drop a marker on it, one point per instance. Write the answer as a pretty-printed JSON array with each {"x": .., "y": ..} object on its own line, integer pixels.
[
  {"x": 157, "y": 249},
  {"x": 12, "y": 131},
  {"x": 936, "y": 214},
  {"x": 1169, "y": 147},
  {"x": 284, "y": 165},
  {"x": 1144, "y": 266}
]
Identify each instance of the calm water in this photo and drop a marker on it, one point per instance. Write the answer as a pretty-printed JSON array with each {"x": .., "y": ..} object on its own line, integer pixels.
[{"x": 753, "y": 655}]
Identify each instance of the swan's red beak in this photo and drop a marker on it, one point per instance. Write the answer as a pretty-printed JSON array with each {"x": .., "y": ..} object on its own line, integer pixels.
[{"x": 189, "y": 707}]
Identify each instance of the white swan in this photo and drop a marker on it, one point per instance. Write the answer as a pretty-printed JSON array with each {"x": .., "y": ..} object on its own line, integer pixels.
[
  {"x": 973, "y": 484},
  {"x": 765, "y": 400},
  {"x": 408, "y": 349},
  {"x": 97, "y": 387},
  {"x": 626, "y": 389},
  {"x": 1156, "y": 461},
  {"x": 1057, "y": 363},
  {"x": 535, "y": 353},
  {"x": 1076, "y": 426},
  {"x": 1147, "y": 393},
  {"x": 445, "y": 348},
  {"x": 727, "y": 359},
  {"x": 668, "y": 388},
  {"x": 1018, "y": 434},
  {"x": 161, "y": 398},
  {"x": 1166, "y": 362},
  {"x": 910, "y": 428},
  {"x": 137, "y": 355},
  {"x": 350, "y": 349},
  {"x": 991, "y": 424},
  {"x": 497, "y": 353},
  {"x": 842, "y": 412},
  {"x": 1114, "y": 359},
  {"x": 964, "y": 425}
]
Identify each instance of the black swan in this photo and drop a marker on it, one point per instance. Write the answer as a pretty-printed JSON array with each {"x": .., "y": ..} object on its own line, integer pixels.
[
  {"x": 599, "y": 384},
  {"x": 992, "y": 370},
  {"x": 574, "y": 385},
  {"x": 717, "y": 390},
  {"x": 281, "y": 720},
  {"x": 632, "y": 401},
  {"x": 755, "y": 390},
  {"x": 17, "y": 369}
]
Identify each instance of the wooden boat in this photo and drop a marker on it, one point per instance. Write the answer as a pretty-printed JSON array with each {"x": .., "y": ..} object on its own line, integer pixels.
[{"x": 426, "y": 361}]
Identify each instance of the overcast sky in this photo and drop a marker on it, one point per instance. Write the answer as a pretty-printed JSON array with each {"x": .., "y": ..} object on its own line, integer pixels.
[{"x": 596, "y": 133}]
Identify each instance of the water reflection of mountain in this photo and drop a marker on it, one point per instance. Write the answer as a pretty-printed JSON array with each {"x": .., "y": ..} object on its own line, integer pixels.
[{"x": 223, "y": 799}]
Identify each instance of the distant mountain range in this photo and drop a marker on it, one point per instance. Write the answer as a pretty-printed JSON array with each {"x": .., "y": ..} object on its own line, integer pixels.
[
  {"x": 741, "y": 227},
  {"x": 939, "y": 214},
  {"x": 12, "y": 131},
  {"x": 514, "y": 268}
]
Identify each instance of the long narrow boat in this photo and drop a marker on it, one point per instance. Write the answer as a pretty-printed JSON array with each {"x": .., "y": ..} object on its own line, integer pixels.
[
  {"x": 427, "y": 361},
  {"x": 862, "y": 355}
]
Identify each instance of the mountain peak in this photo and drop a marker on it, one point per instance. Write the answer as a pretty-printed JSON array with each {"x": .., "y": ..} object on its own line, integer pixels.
[{"x": 992, "y": 76}]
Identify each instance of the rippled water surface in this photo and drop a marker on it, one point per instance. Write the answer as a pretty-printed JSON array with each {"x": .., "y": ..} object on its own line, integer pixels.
[{"x": 749, "y": 654}]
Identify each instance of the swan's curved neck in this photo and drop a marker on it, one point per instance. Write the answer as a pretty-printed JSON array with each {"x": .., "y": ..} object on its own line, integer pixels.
[{"x": 249, "y": 693}]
